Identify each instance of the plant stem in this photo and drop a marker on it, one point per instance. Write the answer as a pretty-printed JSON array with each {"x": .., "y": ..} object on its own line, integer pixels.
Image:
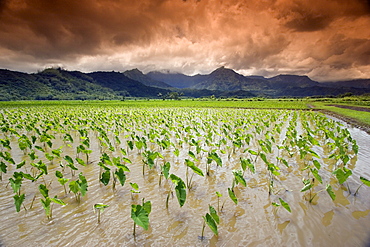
[
  {"x": 168, "y": 197},
  {"x": 134, "y": 233},
  {"x": 204, "y": 225},
  {"x": 34, "y": 197},
  {"x": 358, "y": 189}
]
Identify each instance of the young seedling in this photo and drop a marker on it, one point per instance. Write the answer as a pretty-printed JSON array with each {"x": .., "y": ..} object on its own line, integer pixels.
[
  {"x": 219, "y": 195},
  {"x": 46, "y": 202},
  {"x": 212, "y": 220},
  {"x": 100, "y": 207},
  {"x": 140, "y": 215},
  {"x": 197, "y": 170},
  {"x": 79, "y": 187},
  {"x": 180, "y": 190},
  {"x": 62, "y": 180},
  {"x": 165, "y": 171}
]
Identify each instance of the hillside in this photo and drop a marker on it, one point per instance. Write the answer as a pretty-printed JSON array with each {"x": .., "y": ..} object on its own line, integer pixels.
[
  {"x": 123, "y": 85},
  {"x": 60, "y": 84},
  {"x": 137, "y": 75}
]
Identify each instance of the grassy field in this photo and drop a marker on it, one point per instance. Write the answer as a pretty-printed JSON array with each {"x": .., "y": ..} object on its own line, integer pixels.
[
  {"x": 257, "y": 104},
  {"x": 361, "y": 117}
]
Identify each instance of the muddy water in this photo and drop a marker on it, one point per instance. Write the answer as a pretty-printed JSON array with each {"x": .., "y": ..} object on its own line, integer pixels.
[{"x": 252, "y": 222}]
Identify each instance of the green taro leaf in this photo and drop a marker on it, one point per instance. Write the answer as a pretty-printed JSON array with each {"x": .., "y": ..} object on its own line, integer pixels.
[
  {"x": 192, "y": 155},
  {"x": 28, "y": 176},
  {"x": 195, "y": 169},
  {"x": 58, "y": 174},
  {"x": 307, "y": 185},
  {"x": 18, "y": 200},
  {"x": 365, "y": 181},
  {"x": 69, "y": 159},
  {"x": 120, "y": 174},
  {"x": 180, "y": 189},
  {"x": 44, "y": 191},
  {"x": 16, "y": 183},
  {"x": 166, "y": 169},
  {"x": 239, "y": 177},
  {"x": 316, "y": 174},
  {"x": 176, "y": 152},
  {"x": 214, "y": 214},
  {"x": 211, "y": 223},
  {"x": 46, "y": 205},
  {"x": 74, "y": 187},
  {"x": 147, "y": 206},
  {"x": 3, "y": 167},
  {"x": 21, "y": 164},
  {"x": 83, "y": 184},
  {"x": 105, "y": 177},
  {"x": 58, "y": 201},
  {"x": 317, "y": 164},
  {"x": 81, "y": 162},
  {"x": 342, "y": 174},
  {"x": 140, "y": 214},
  {"x": 330, "y": 192},
  {"x": 63, "y": 181},
  {"x": 134, "y": 186},
  {"x": 232, "y": 195},
  {"x": 285, "y": 205},
  {"x": 100, "y": 206},
  {"x": 181, "y": 193}
]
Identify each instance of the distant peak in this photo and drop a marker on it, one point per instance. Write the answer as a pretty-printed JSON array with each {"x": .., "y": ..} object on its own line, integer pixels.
[
  {"x": 223, "y": 70},
  {"x": 136, "y": 70}
]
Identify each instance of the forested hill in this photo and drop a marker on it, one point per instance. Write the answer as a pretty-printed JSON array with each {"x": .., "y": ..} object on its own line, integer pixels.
[{"x": 66, "y": 85}]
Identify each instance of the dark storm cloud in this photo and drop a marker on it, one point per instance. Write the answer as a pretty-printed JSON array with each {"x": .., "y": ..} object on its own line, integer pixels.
[{"x": 191, "y": 36}]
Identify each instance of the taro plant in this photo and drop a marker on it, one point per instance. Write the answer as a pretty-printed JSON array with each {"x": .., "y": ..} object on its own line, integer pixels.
[
  {"x": 79, "y": 187},
  {"x": 70, "y": 164},
  {"x": 16, "y": 183},
  {"x": 213, "y": 156},
  {"x": 149, "y": 159},
  {"x": 219, "y": 195},
  {"x": 197, "y": 170},
  {"x": 342, "y": 175},
  {"x": 140, "y": 215},
  {"x": 100, "y": 207},
  {"x": 62, "y": 180},
  {"x": 46, "y": 202},
  {"x": 165, "y": 171},
  {"x": 212, "y": 220},
  {"x": 180, "y": 189}
]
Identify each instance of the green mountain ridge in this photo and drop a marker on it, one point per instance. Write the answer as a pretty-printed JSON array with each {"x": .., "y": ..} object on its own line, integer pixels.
[{"x": 60, "y": 84}]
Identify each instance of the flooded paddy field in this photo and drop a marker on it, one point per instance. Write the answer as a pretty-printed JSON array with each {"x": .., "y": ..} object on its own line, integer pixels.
[{"x": 271, "y": 177}]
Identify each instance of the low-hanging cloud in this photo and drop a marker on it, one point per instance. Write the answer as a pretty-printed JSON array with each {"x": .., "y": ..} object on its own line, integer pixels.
[{"x": 189, "y": 36}]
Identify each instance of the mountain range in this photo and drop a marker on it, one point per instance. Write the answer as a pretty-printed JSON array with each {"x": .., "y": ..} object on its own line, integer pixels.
[{"x": 57, "y": 83}]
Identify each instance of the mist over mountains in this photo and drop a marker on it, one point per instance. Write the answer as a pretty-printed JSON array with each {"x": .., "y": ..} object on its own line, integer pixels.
[{"x": 56, "y": 83}]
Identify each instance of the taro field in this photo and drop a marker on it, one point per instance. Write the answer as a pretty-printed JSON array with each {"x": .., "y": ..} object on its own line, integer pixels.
[{"x": 117, "y": 176}]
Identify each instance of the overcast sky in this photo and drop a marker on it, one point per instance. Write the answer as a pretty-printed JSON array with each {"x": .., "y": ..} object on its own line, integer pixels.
[{"x": 324, "y": 39}]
